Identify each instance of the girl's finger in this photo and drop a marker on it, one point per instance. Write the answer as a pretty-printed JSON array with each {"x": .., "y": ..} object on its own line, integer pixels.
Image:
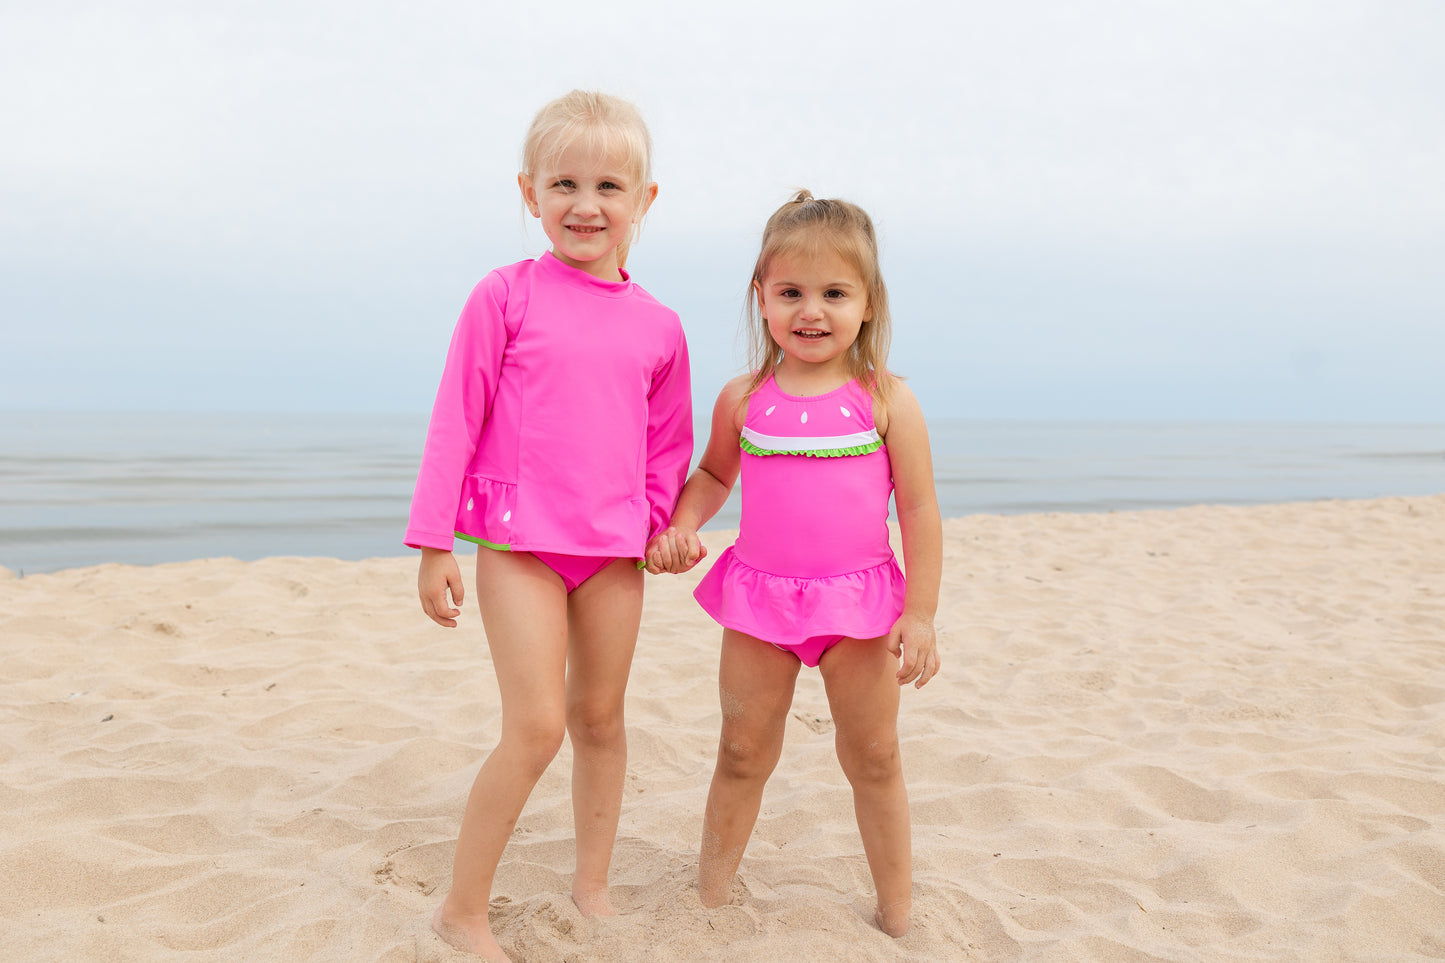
[{"x": 907, "y": 669}]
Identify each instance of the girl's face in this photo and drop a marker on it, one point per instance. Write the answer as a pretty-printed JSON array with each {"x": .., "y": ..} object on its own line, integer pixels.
[
  {"x": 588, "y": 206},
  {"x": 815, "y": 307}
]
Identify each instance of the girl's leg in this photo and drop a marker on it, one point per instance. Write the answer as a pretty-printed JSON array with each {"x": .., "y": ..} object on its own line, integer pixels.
[
  {"x": 755, "y": 686},
  {"x": 863, "y": 697},
  {"x": 604, "y": 614},
  {"x": 524, "y": 611}
]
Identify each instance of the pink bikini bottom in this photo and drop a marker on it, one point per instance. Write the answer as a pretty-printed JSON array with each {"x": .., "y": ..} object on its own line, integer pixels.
[
  {"x": 572, "y": 569},
  {"x": 810, "y": 650}
]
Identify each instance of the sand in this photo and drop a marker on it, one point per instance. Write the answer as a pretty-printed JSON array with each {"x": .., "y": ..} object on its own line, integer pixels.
[{"x": 1208, "y": 734}]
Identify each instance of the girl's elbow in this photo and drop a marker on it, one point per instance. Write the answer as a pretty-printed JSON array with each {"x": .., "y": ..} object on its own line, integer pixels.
[{"x": 919, "y": 508}]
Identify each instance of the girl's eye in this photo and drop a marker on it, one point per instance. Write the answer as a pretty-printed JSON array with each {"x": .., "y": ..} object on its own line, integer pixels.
[
  {"x": 835, "y": 294},
  {"x": 609, "y": 186},
  {"x": 788, "y": 293},
  {"x": 566, "y": 184}
]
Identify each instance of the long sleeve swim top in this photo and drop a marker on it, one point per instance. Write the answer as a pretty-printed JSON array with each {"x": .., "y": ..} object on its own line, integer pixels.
[{"x": 563, "y": 422}]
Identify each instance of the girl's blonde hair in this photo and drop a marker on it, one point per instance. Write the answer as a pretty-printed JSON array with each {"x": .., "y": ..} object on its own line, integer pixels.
[
  {"x": 806, "y": 227},
  {"x": 601, "y": 124}
]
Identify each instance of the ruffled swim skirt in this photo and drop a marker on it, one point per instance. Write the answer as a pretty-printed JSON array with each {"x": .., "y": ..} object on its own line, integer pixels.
[{"x": 781, "y": 609}]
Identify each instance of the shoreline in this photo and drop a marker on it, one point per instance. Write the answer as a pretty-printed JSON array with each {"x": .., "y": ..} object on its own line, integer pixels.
[
  {"x": 1166, "y": 734},
  {"x": 144, "y": 491},
  {"x": 726, "y": 534}
]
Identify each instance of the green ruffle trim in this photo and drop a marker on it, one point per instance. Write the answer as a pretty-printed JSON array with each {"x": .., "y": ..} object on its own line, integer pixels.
[
  {"x": 483, "y": 542},
  {"x": 867, "y": 449}
]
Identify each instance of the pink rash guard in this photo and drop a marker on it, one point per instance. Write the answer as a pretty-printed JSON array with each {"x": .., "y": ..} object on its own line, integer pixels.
[{"x": 563, "y": 422}]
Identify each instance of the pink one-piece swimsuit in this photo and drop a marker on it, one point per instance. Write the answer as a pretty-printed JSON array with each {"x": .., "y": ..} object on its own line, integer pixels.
[{"x": 812, "y": 563}]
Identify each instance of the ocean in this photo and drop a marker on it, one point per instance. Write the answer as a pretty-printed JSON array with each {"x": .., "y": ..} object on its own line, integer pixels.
[{"x": 81, "y": 489}]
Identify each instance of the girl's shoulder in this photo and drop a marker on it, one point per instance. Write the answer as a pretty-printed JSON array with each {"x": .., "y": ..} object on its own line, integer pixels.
[
  {"x": 738, "y": 387},
  {"x": 509, "y": 274},
  {"x": 732, "y": 401},
  {"x": 498, "y": 300},
  {"x": 502, "y": 284},
  {"x": 895, "y": 404}
]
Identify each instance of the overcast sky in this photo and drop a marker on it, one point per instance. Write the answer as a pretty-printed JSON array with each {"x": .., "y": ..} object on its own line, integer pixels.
[{"x": 1117, "y": 209}]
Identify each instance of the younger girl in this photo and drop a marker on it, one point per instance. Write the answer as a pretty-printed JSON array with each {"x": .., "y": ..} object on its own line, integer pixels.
[
  {"x": 822, "y": 433},
  {"x": 560, "y": 437}
]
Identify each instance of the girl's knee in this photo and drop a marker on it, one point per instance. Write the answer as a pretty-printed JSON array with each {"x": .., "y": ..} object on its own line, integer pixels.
[
  {"x": 596, "y": 725},
  {"x": 536, "y": 740},
  {"x": 877, "y": 761},
  {"x": 739, "y": 757}
]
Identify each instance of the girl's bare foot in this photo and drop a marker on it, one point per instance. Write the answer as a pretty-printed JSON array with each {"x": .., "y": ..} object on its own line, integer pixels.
[
  {"x": 716, "y": 872},
  {"x": 714, "y": 895},
  {"x": 592, "y": 901},
  {"x": 470, "y": 934},
  {"x": 893, "y": 919}
]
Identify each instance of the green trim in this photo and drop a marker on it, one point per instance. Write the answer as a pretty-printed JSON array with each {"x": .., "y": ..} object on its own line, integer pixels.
[
  {"x": 867, "y": 449},
  {"x": 641, "y": 563},
  {"x": 483, "y": 542}
]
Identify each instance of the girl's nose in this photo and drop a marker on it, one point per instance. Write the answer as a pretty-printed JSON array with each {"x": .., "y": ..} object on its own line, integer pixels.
[
  {"x": 812, "y": 308},
  {"x": 585, "y": 202}
]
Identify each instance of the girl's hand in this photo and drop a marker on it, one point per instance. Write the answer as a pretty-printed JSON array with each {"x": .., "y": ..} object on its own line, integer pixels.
[
  {"x": 675, "y": 550},
  {"x": 915, "y": 643},
  {"x": 438, "y": 575},
  {"x": 916, "y": 502}
]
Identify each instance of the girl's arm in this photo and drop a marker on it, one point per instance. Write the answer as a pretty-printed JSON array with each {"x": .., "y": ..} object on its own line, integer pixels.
[
  {"x": 678, "y": 548},
  {"x": 912, "y": 637},
  {"x": 463, "y": 403},
  {"x": 669, "y": 435}
]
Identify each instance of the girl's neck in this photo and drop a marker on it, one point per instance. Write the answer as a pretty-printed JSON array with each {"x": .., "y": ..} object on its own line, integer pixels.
[
  {"x": 808, "y": 381},
  {"x": 603, "y": 269}
]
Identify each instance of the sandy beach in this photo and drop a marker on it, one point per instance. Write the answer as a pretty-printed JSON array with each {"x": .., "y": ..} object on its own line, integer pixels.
[{"x": 1208, "y": 734}]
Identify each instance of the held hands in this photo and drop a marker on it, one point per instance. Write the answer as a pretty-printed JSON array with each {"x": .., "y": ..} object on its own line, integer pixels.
[
  {"x": 675, "y": 550},
  {"x": 438, "y": 575},
  {"x": 913, "y": 640}
]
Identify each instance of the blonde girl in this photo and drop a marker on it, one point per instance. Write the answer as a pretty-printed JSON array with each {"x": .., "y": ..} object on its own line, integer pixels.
[
  {"x": 560, "y": 437},
  {"x": 822, "y": 433}
]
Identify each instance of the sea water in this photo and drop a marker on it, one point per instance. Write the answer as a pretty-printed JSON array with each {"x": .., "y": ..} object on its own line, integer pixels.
[{"x": 86, "y": 488}]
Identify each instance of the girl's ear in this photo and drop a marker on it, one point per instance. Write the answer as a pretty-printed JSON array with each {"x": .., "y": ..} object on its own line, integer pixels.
[
  {"x": 529, "y": 194},
  {"x": 758, "y": 293},
  {"x": 649, "y": 194}
]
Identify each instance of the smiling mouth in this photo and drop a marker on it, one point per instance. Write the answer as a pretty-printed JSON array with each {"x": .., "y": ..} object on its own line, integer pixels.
[
  {"x": 809, "y": 334},
  {"x": 582, "y": 229}
]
